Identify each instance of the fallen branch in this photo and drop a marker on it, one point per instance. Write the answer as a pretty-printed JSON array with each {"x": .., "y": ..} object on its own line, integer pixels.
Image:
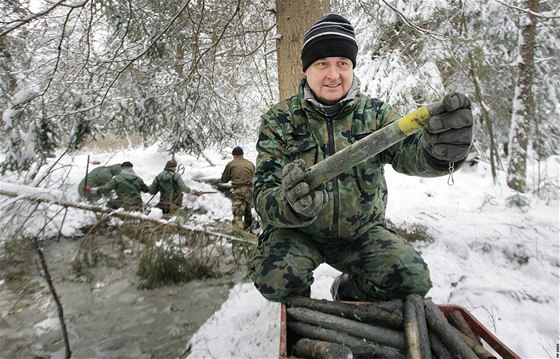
[
  {"x": 37, "y": 196},
  {"x": 60, "y": 310}
]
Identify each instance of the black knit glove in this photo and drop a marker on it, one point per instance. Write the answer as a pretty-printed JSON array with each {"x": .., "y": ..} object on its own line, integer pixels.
[
  {"x": 301, "y": 198},
  {"x": 447, "y": 137}
]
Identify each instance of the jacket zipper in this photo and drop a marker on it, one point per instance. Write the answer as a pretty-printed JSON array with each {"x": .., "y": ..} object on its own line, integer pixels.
[{"x": 336, "y": 200}]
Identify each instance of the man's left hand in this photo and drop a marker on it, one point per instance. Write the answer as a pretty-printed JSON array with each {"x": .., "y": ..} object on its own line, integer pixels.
[{"x": 448, "y": 136}]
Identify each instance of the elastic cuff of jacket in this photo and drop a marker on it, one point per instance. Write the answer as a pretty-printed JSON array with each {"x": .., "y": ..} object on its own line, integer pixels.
[{"x": 440, "y": 165}]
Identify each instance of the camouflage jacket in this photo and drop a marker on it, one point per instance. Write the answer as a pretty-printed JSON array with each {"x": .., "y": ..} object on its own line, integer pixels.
[{"x": 357, "y": 198}]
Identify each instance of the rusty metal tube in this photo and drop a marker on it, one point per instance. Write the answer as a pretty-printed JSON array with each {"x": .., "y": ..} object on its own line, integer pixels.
[{"x": 371, "y": 145}]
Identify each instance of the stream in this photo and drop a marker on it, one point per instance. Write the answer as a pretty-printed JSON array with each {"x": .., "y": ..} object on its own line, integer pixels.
[{"x": 107, "y": 316}]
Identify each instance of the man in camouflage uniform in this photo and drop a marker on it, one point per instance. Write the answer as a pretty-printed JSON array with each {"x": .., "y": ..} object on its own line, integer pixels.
[
  {"x": 171, "y": 187},
  {"x": 240, "y": 172},
  {"x": 97, "y": 177},
  {"x": 128, "y": 187},
  {"x": 343, "y": 222}
]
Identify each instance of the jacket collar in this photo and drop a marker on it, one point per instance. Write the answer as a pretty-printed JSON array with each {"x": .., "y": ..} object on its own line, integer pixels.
[{"x": 330, "y": 110}]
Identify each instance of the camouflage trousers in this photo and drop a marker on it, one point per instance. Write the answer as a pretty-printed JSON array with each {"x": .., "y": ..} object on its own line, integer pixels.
[
  {"x": 381, "y": 265},
  {"x": 241, "y": 205}
]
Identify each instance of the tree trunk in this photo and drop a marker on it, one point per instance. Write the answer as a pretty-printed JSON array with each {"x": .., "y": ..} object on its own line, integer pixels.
[
  {"x": 180, "y": 59},
  {"x": 485, "y": 117},
  {"x": 294, "y": 17},
  {"x": 523, "y": 104}
]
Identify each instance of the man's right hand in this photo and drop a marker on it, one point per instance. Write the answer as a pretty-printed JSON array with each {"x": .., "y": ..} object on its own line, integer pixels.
[
  {"x": 86, "y": 189},
  {"x": 301, "y": 198}
]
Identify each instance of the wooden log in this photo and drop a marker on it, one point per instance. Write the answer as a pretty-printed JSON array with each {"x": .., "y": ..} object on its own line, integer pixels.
[
  {"x": 438, "y": 348},
  {"x": 411, "y": 332},
  {"x": 355, "y": 328},
  {"x": 368, "y": 313},
  {"x": 422, "y": 325},
  {"x": 391, "y": 305},
  {"x": 318, "y": 349},
  {"x": 458, "y": 321},
  {"x": 438, "y": 323},
  {"x": 475, "y": 346},
  {"x": 360, "y": 348}
]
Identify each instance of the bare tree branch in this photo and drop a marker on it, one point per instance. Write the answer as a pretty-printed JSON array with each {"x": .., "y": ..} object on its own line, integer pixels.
[
  {"x": 142, "y": 53},
  {"x": 411, "y": 24},
  {"x": 529, "y": 12},
  {"x": 21, "y": 22}
]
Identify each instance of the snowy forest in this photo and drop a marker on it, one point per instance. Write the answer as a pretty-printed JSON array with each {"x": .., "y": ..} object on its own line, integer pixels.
[
  {"x": 198, "y": 74},
  {"x": 192, "y": 78}
]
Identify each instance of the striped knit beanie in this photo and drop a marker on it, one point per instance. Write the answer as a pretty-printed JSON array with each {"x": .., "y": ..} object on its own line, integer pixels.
[{"x": 331, "y": 36}]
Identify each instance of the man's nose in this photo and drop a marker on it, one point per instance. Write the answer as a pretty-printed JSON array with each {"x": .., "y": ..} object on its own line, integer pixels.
[{"x": 332, "y": 72}]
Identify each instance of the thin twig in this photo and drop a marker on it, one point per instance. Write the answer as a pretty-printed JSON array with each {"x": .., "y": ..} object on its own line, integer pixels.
[{"x": 48, "y": 278}]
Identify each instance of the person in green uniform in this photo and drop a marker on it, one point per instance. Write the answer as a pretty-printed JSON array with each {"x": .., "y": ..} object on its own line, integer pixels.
[
  {"x": 95, "y": 178},
  {"x": 342, "y": 223},
  {"x": 171, "y": 187},
  {"x": 128, "y": 187}
]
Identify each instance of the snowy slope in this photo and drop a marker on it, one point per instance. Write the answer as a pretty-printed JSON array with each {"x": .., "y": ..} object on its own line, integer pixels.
[{"x": 499, "y": 261}]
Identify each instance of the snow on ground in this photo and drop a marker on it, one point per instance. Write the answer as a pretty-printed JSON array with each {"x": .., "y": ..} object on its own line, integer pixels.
[{"x": 499, "y": 261}]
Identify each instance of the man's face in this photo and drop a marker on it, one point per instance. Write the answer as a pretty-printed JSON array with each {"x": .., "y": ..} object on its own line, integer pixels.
[{"x": 330, "y": 78}]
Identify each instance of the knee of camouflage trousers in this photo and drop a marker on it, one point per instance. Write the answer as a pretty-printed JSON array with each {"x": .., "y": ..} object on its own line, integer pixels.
[
  {"x": 381, "y": 265},
  {"x": 279, "y": 283},
  {"x": 284, "y": 265}
]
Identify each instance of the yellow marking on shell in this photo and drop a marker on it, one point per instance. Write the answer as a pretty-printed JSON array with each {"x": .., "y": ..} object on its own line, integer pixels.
[{"x": 414, "y": 120}]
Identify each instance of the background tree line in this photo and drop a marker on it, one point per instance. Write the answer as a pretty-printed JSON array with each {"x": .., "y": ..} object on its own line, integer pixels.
[{"x": 199, "y": 73}]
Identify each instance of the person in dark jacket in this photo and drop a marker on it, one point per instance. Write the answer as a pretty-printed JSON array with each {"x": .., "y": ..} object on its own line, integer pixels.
[
  {"x": 240, "y": 172},
  {"x": 171, "y": 186},
  {"x": 128, "y": 187},
  {"x": 97, "y": 177},
  {"x": 343, "y": 221}
]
